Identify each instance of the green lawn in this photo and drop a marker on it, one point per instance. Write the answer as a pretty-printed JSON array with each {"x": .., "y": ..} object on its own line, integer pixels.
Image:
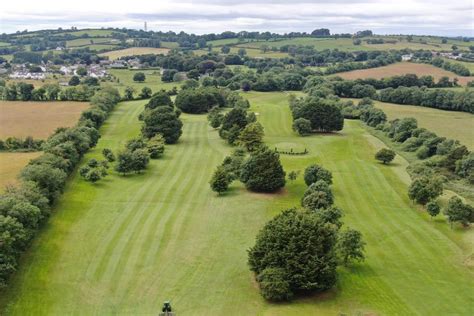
[{"x": 124, "y": 245}]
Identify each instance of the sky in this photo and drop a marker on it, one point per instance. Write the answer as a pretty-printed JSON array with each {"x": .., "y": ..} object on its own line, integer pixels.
[{"x": 424, "y": 17}]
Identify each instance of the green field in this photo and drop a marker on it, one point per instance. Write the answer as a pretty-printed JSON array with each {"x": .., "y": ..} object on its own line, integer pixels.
[
  {"x": 90, "y": 42},
  {"x": 153, "y": 80},
  {"x": 251, "y": 52},
  {"x": 450, "y": 124},
  {"x": 124, "y": 245},
  {"x": 90, "y": 32}
]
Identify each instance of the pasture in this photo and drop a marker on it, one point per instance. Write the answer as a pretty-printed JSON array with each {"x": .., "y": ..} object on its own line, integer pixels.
[
  {"x": 116, "y": 54},
  {"x": 37, "y": 119},
  {"x": 450, "y": 124},
  {"x": 153, "y": 80},
  {"x": 81, "y": 42},
  {"x": 403, "y": 68},
  {"x": 128, "y": 243},
  {"x": 11, "y": 165}
]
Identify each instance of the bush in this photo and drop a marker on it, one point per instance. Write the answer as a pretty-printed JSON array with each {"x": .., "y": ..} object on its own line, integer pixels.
[
  {"x": 385, "y": 155},
  {"x": 139, "y": 77},
  {"x": 160, "y": 98},
  {"x": 220, "y": 180},
  {"x": 424, "y": 189},
  {"x": 457, "y": 211},
  {"x": 156, "y": 146},
  {"x": 302, "y": 126},
  {"x": 273, "y": 285},
  {"x": 314, "y": 173}
]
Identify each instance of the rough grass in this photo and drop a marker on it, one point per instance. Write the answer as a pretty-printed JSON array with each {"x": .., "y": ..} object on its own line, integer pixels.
[
  {"x": 124, "y": 245},
  {"x": 37, "y": 119},
  {"x": 116, "y": 54},
  {"x": 11, "y": 164},
  {"x": 402, "y": 69}
]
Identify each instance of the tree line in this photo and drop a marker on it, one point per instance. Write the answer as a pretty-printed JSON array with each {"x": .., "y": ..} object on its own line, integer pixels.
[{"x": 24, "y": 208}]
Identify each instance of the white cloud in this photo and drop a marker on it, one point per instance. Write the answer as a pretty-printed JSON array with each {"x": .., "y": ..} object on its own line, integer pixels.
[{"x": 203, "y": 16}]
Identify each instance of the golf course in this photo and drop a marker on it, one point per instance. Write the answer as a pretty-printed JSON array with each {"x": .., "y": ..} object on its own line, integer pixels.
[{"x": 127, "y": 243}]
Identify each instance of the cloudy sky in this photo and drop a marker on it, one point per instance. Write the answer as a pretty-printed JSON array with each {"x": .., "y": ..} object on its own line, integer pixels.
[{"x": 437, "y": 17}]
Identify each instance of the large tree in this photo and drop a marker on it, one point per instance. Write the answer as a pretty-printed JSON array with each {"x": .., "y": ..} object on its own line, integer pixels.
[
  {"x": 251, "y": 137},
  {"x": 262, "y": 171},
  {"x": 284, "y": 260},
  {"x": 162, "y": 120},
  {"x": 324, "y": 114}
]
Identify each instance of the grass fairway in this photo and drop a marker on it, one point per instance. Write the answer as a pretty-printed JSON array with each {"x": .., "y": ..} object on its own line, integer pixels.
[
  {"x": 124, "y": 245},
  {"x": 37, "y": 119},
  {"x": 116, "y": 54},
  {"x": 402, "y": 69}
]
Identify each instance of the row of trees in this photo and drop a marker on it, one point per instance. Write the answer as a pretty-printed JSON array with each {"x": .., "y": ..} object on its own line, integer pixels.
[
  {"x": 299, "y": 250},
  {"x": 438, "y": 98},
  {"x": 25, "y": 207},
  {"x": 49, "y": 92},
  {"x": 457, "y": 68},
  {"x": 413, "y": 95},
  {"x": 18, "y": 144}
]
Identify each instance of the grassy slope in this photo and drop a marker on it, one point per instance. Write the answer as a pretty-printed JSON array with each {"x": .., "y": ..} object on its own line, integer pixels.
[
  {"x": 450, "y": 124},
  {"x": 128, "y": 243}
]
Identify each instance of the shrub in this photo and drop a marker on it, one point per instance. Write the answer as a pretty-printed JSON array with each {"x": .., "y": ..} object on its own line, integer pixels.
[
  {"x": 302, "y": 126},
  {"x": 139, "y": 77},
  {"x": 385, "y": 155},
  {"x": 315, "y": 173},
  {"x": 273, "y": 285}
]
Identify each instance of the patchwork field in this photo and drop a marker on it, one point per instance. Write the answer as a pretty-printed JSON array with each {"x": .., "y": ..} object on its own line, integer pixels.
[
  {"x": 11, "y": 165},
  {"x": 401, "y": 69},
  {"x": 116, "y": 54},
  {"x": 450, "y": 124},
  {"x": 37, "y": 119},
  {"x": 124, "y": 245}
]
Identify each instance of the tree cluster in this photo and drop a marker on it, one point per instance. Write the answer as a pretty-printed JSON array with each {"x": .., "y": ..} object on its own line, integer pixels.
[{"x": 299, "y": 250}]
